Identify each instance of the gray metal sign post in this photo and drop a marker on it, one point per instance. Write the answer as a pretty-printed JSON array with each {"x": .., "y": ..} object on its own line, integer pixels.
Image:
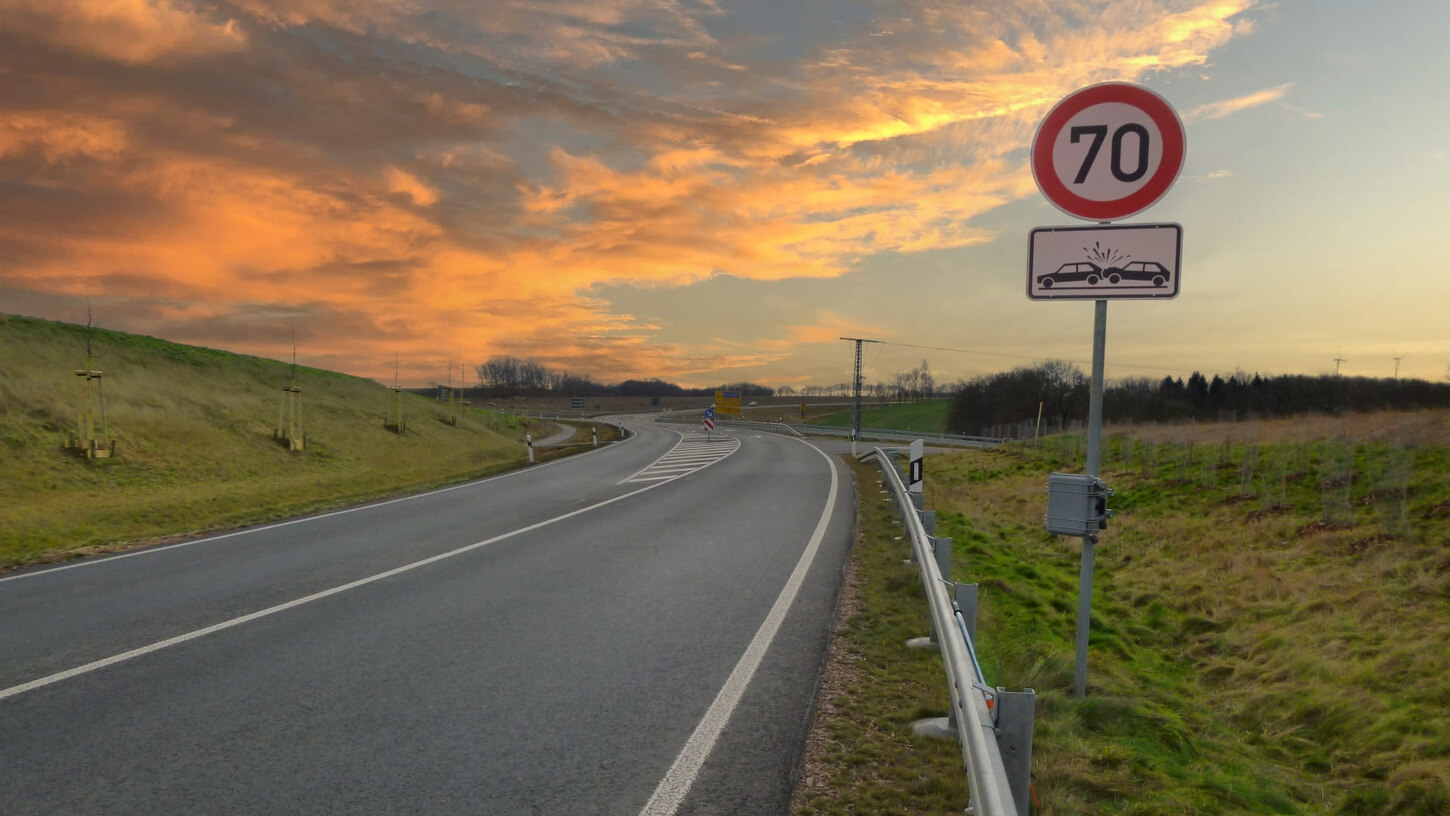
[
  {"x": 1102, "y": 153},
  {"x": 1094, "y": 463}
]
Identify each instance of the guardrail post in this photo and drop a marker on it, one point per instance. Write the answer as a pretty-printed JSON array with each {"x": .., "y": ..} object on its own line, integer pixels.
[
  {"x": 928, "y": 642},
  {"x": 942, "y": 547},
  {"x": 928, "y": 522},
  {"x": 939, "y": 727},
  {"x": 965, "y": 596},
  {"x": 1016, "y": 711}
]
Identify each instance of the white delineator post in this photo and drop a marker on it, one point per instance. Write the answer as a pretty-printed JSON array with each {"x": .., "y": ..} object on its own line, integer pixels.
[{"x": 915, "y": 467}]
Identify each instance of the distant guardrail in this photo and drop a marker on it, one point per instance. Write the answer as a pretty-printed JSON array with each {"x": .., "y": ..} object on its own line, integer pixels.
[
  {"x": 890, "y": 433},
  {"x": 993, "y": 726},
  {"x": 683, "y": 417},
  {"x": 801, "y": 429}
]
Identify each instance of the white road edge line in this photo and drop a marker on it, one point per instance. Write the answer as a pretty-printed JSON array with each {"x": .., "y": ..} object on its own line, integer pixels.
[
  {"x": 316, "y": 596},
  {"x": 90, "y": 562},
  {"x": 676, "y": 784}
]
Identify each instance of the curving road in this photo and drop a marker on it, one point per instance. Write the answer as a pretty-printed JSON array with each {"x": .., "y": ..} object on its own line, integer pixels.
[{"x": 635, "y": 630}]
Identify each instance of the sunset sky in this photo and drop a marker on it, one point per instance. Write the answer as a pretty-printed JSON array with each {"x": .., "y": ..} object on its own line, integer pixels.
[{"x": 708, "y": 191}]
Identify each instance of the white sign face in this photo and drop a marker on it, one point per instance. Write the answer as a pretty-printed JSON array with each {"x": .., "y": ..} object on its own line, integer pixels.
[
  {"x": 1104, "y": 263},
  {"x": 1108, "y": 151},
  {"x": 916, "y": 457}
]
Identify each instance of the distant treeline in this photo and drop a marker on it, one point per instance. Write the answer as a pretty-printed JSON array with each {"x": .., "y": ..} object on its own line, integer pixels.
[
  {"x": 513, "y": 377},
  {"x": 1062, "y": 389}
]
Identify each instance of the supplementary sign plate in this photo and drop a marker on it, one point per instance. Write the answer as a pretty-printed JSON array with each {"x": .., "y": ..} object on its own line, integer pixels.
[{"x": 1104, "y": 263}]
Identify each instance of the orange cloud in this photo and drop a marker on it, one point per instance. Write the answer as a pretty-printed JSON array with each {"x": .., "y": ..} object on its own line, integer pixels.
[
  {"x": 128, "y": 31},
  {"x": 400, "y": 181},
  {"x": 455, "y": 179},
  {"x": 61, "y": 136},
  {"x": 1228, "y": 107},
  {"x": 830, "y": 327}
]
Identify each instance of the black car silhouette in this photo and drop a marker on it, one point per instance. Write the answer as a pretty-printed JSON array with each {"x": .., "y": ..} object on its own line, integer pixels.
[
  {"x": 1138, "y": 270},
  {"x": 1081, "y": 271}
]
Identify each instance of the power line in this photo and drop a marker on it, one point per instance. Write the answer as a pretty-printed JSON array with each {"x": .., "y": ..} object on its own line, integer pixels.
[{"x": 1023, "y": 356}]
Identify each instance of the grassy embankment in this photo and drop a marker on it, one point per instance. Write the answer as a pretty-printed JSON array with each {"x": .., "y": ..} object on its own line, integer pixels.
[
  {"x": 926, "y": 415},
  {"x": 1270, "y": 617},
  {"x": 194, "y": 439}
]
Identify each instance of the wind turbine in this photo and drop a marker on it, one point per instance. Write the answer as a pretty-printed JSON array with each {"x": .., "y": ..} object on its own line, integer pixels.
[
  {"x": 1337, "y": 361},
  {"x": 1398, "y": 358}
]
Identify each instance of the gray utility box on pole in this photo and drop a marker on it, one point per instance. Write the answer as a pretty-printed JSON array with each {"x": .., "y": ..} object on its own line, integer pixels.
[{"x": 1077, "y": 504}]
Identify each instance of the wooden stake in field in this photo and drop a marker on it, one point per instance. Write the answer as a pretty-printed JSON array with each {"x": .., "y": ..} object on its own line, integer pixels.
[
  {"x": 394, "y": 421},
  {"x": 289, "y": 420},
  {"x": 446, "y": 397},
  {"x": 92, "y": 402},
  {"x": 86, "y": 440}
]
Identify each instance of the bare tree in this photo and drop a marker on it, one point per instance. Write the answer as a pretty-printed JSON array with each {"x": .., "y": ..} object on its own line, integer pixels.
[{"x": 1063, "y": 388}]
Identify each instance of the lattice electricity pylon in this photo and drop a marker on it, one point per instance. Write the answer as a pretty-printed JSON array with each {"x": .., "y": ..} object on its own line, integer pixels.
[{"x": 856, "y": 387}]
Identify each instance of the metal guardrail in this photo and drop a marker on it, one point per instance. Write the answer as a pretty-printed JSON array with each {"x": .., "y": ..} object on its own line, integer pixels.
[
  {"x": 993, "y": 726},
  {"x": 768, "y": 427},
  {"x": 799, "y": 429},
  {"x": 888, "y": 433}
]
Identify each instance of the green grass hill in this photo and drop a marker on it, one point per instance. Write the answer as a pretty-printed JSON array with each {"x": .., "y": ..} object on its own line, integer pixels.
[
  {"x": 1270, "y": 614},
  {"x": 926, "y": 415},
  {"x": 195, "y": 449}
]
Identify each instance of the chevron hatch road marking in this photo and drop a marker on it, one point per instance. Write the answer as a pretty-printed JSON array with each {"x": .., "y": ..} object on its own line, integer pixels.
[{"x": 692, "y": 453}]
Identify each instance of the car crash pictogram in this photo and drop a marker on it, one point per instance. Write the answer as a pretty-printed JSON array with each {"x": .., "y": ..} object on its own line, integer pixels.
[{"x": 1118, "y": 261}]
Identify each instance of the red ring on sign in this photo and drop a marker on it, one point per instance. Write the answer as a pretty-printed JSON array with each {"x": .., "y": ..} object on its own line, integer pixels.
[{"x": 1170, "y": 130}]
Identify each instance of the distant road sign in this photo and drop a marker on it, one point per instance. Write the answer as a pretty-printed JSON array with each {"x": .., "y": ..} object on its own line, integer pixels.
[
  {"x": 710, "y": 412},
  {"x": 1104, "y": 263},
  {"x": 1108, "y": 151},
  {"x": 709, "y": 423},
  {"x": 727, "y": 402}
]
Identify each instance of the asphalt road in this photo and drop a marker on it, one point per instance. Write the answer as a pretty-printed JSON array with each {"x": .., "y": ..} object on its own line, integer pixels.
[{"x": 636, "y": 630}]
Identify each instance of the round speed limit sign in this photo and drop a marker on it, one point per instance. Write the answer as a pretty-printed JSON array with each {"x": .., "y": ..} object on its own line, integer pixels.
[{"x": 1108, "y": 151}]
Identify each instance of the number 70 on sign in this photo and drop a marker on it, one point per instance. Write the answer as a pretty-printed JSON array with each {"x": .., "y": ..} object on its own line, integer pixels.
[{"x": 1108, "y": 151}]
